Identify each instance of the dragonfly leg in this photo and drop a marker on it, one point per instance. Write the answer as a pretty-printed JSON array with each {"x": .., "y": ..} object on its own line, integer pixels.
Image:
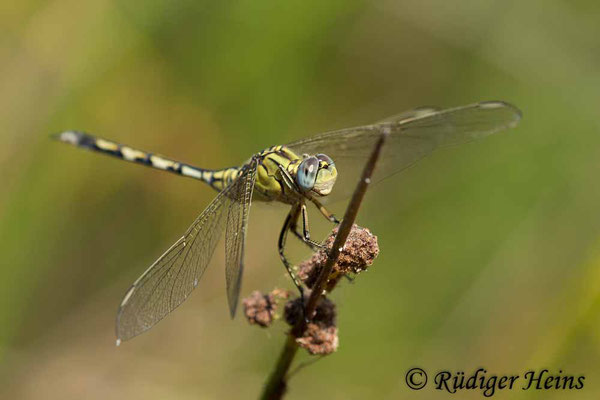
[
  {"x": 326, "y": 213},
  {"x": 287, "y": 179},
  {"x": 305, "y": 231},
  {"x": 314, "y": 246},
  {"x": 305, "y": 235},
  {"x": 292, "y": 216}
]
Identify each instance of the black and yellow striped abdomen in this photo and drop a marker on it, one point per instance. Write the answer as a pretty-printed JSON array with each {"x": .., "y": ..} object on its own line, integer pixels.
[
  {"x": 84, "y": 140},
  {"x": 269, "y": 186}
]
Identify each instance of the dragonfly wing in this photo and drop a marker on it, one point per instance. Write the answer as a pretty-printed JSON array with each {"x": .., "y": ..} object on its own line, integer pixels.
[
  {"x": 235, "y": 234},
  {"x": 168, "y": 282},
  {"x": 412, "y": 136},
  {"x": 414, "y": 113}
]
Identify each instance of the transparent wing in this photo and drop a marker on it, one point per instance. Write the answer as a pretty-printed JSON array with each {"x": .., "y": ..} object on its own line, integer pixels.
[
  {"x": 414, "y": 113},
  {"x": 235, "y": 235},
  {"x": 169, "y": 281},
  {"x": 413, "y": 135}
]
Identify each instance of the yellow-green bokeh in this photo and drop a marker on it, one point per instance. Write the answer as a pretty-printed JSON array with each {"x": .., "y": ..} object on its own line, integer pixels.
[{"x": 490, "y": 253}]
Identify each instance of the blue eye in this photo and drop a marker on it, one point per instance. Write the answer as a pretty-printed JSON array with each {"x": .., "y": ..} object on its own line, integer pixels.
[{"x": 307, "y": 173}]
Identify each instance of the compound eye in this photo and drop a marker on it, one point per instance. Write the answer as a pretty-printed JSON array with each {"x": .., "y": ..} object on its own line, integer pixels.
[
  {"x": 307, "y": 173},
  {"x": 326, "y": 158}
]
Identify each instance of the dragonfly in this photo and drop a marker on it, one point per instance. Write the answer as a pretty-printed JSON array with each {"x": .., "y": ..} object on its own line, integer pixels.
[{"x": 312, "y": 171}]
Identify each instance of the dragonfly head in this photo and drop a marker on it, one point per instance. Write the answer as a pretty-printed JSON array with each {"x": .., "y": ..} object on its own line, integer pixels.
[{"x": 316, "y": 174}]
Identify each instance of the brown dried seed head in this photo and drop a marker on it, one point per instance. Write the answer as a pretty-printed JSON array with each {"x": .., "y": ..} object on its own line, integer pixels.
[
  {"x": 325, "y": 313},
  {"x": 358, "y": 254},
  {"x": 260, "y": 308},
  {"x": 319, "y": 340},
  {"x": 321, "y": 334}
]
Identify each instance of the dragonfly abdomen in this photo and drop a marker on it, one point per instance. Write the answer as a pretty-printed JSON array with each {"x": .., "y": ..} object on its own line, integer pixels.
[
  {"x": 221, "y": 178},
  {"x": 90, "y": 142}
]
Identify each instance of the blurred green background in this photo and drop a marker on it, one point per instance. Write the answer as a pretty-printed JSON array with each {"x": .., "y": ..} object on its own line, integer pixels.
[{"x": 490, "y": 253}]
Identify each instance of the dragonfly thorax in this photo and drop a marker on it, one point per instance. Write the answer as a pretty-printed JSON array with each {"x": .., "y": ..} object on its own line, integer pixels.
[{"x": 283, "y": 175}]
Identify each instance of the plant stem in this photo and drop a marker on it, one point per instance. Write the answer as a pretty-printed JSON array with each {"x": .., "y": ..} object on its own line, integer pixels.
[{"x": 276, "y": 385}]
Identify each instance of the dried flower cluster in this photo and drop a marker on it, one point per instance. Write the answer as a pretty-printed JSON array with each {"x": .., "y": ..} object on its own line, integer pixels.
[
  {"x": 260, "y": 308},
  {"x": 321, "y": 334},
  {"x": 358, "y": 254}
]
